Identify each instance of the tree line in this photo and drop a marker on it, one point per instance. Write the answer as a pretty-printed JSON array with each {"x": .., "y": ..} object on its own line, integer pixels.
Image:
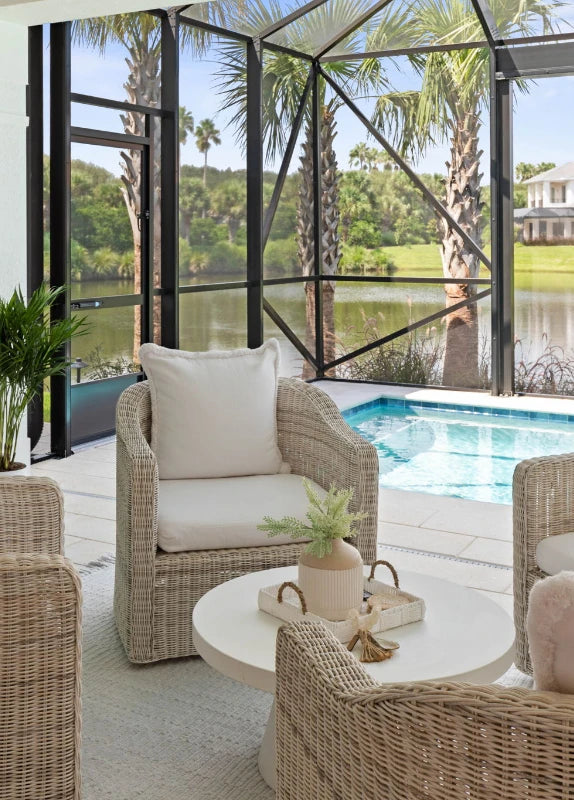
[{"x": 379, "y": 210}]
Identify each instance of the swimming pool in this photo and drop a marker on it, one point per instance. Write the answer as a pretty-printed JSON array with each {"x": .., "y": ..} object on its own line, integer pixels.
[{"x": 462, "y": 451}]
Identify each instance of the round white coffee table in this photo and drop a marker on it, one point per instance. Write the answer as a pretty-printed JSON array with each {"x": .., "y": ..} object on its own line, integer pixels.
[{"x": 465, "y": 636}]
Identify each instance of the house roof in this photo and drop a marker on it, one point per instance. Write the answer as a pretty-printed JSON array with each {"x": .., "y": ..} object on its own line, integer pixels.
[
  {"x": 543, "y": 213},
  {"x": 563, "y": 173}
]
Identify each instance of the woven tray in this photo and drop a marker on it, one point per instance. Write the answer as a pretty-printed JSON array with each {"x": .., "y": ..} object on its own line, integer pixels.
[{"x": 284, "y": 601}]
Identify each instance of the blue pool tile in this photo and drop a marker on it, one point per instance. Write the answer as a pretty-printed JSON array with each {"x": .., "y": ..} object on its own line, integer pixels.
[{"x": 432, "y": 452}]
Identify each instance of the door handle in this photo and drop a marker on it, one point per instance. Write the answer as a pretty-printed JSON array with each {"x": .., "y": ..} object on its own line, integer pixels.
[
  {"x": 79, "y": 304},
  {"x": 142, "y": 215}
]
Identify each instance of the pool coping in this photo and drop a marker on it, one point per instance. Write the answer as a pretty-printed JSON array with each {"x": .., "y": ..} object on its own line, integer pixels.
[
  {"x": 459, "y": 408},
  {"x": 349, "y": 396}
]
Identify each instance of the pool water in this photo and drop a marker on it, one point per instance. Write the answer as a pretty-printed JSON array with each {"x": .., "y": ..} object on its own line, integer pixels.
[{"x": 462, "y": 451}]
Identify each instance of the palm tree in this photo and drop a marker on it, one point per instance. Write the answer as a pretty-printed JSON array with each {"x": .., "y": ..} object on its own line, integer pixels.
[
  {"x": 193, "y": 201},
  {"x": 358, "y": 156},
  {"x": 229, "y": 203},
  {"x": 206, "y": 134},
  {"x": 284, "y": 80},
  {"x": 186, "y": 124},
  {"x": 454, "y": 92},
  {"x": 383, "y": 159}
]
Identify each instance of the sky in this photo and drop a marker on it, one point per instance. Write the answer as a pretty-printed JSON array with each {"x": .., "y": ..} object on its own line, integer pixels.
[{"x": 543, "y": 118}]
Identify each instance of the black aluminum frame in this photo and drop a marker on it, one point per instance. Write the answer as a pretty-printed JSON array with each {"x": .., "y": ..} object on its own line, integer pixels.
[
  {"x": 60, "y": 140},
  {"x": 35, "y": 198},
  {"x": 511, "y": 59},
  {"x": 63, "y": 435}
]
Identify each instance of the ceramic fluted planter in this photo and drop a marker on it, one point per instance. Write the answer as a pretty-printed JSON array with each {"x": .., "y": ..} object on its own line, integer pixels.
[{"x": 332, "y": 585}]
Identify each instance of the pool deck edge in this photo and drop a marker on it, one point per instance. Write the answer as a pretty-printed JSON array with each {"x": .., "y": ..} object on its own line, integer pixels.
[{"x": 348, "y": 395}]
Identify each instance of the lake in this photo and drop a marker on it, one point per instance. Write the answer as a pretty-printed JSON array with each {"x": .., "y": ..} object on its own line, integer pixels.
[{"x": 544, "y": 305}]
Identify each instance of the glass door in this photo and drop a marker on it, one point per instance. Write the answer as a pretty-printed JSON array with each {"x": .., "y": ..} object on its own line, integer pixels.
[{"x": 110, "y": 275}]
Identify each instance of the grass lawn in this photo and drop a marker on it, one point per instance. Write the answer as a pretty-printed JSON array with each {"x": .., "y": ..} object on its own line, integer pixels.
[
  {"x": 424, "y": 260},
  {"x": 558, "y": 258}
]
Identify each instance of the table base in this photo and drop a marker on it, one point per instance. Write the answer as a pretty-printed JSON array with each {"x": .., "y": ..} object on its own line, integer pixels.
[{"x": 267, "y": 760}]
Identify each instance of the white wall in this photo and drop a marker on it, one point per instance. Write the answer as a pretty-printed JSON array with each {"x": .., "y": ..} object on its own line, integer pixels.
[
  {"x": 37, "y": 12},
  {"x": 13, "y": 121}
]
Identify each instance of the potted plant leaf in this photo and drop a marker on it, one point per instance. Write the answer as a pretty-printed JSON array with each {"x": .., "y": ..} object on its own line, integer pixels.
[
  {"x": 32, "y": 348},
  {"x": 330, "y": 569}
]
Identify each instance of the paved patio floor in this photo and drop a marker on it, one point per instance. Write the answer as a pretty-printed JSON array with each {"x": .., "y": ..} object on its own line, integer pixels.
[{"x": 465, "y": 541}]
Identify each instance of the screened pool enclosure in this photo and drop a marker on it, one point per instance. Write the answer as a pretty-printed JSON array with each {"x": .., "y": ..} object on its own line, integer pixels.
[{"x": 391, "y": 272}]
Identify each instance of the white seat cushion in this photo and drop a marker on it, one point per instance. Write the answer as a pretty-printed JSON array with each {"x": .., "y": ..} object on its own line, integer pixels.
[
  {"x": 214, "y": 513},
  {"x": 555, "y": 554},
  {"x": 214, "y": 414}
]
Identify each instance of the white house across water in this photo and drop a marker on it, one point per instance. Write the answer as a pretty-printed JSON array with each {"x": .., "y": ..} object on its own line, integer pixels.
[{"x": 550, "y": 213}]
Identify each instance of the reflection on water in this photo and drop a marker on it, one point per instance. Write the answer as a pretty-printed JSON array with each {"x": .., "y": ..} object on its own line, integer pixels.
[
  {"x": 544, "y": 303},
  {"x": 470, "y": 455}
]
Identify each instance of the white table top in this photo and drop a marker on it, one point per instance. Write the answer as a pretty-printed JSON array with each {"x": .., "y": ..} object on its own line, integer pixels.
[{"x": 465, "y": 636}]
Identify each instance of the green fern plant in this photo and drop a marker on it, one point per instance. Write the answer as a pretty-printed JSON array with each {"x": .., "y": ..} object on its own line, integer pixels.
[
  {"x": 32, "y": 348},
  {"x": 329, "y": 519}
]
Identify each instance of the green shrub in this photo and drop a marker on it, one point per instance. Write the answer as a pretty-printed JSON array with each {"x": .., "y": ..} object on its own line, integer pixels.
[
  {"x": 353, "y": 259},
  {"x": 241, "y": 236},
  {"x": 126, "y": 267},
  {"x": 359, "y": 260},
  {"x": 281, "y": 256},
  {"x": 382, "y": 263},
  {"x": 198, "y": 259},
  {"x": 185, "y": 254},
  {"x": 363, "y": 233},
  {"x": 552, "y": 372},
  {"x": 206, "y": 232},
  {"x": 105, "y": 263},
  {"x": 285, "y": 221},
  {"x": 79, "y": 258},
  {"x": 227, "y": 258},
  {"x": 414, "y": 358},
  {"x": 388, "y": 239}
]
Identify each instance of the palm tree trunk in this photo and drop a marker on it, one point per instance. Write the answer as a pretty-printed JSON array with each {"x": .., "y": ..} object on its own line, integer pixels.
[
  {"x": 462, "y": 200},
  {"x": 143, "y": 87},
  {"x": 331, "y": 249},
  {"x": 205, "y": 170}
]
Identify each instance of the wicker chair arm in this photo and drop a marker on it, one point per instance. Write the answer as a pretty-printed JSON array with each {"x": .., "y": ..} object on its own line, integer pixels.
[
  {"x": 543, "y": 495},
  {"x": 317, "y": 442},
  {"x": 133, "y": 421},
  {"x": 31, "y": 515},
  {"x": 137, "y": 488},
  {"x": 40, "y": 667},
  {"x": 137, "y": 471},
  {"x": 308, "y": 647},
  {"x": 341, "y": 735},
  {"x": 543, "y": 505}
]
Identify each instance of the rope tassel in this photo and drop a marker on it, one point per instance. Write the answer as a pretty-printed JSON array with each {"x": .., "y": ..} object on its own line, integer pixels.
[{"x": 372, "y": 650}]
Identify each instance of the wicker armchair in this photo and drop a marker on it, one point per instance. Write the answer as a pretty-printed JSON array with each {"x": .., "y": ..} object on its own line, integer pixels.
[
  {"x": 40, "y": 645},
  {"x": 155, "y": 591},
  {"x": 543, "y": 505},
  {"x": 341, "y": 735}
]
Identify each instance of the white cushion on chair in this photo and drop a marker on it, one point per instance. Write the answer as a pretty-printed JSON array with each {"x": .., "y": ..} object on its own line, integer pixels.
[
  {"x": 555, "y": 554},
  {"x": 214, "y": 414},
  {"x": 214, "y": 513}
]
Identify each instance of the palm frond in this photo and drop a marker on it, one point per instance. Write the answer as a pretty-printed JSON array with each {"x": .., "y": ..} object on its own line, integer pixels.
[{"x": 285, "y": 76}]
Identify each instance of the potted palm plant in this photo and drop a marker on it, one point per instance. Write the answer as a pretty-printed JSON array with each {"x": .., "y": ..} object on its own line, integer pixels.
[
  {"x": 330, "y": 569},
  {"x": 31, "y": 350}
]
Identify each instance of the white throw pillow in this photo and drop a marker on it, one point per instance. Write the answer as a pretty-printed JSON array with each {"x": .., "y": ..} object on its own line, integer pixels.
[{"x": 214, "y": 413}]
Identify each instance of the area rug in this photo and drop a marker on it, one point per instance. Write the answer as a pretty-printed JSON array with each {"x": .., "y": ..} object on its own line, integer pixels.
[{"x": 175, "y": 730}]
